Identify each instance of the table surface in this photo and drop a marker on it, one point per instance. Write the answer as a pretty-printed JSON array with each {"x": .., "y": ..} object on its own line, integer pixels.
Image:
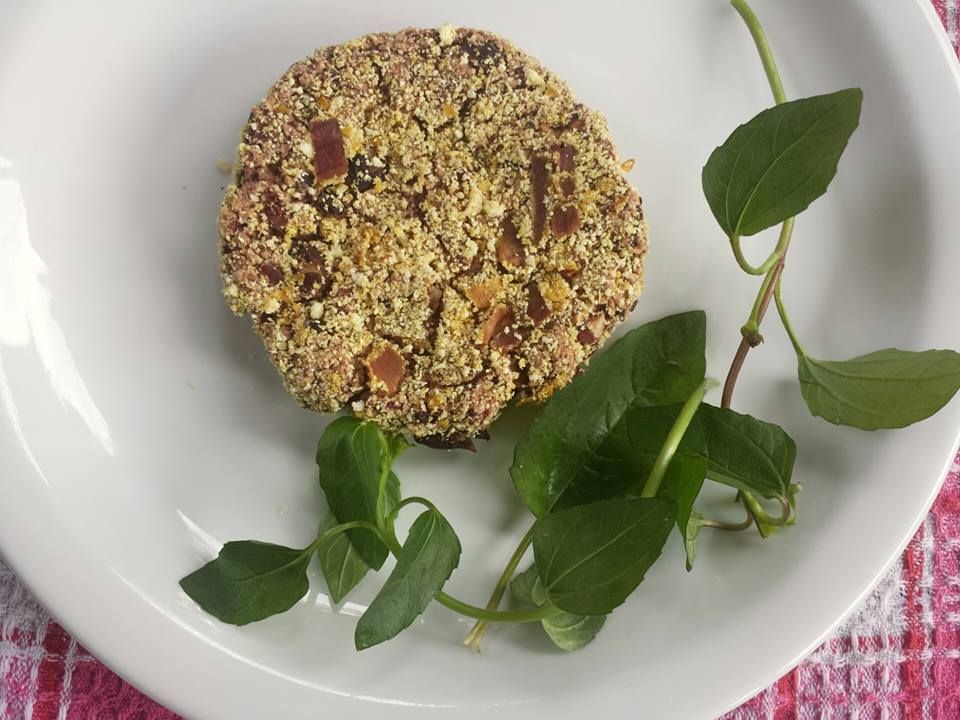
[{"x": 897, "y": 657}]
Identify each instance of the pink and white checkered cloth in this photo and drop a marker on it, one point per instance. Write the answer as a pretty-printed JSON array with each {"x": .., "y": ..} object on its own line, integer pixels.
[{"x": 897, "y": 659}]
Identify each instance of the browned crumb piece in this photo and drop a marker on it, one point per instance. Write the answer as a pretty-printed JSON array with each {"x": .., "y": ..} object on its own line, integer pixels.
[{"x": 426, "y": 225}]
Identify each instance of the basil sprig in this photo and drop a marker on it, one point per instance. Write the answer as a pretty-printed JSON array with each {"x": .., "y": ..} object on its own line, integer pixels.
[{"x": 618, "y": 458}]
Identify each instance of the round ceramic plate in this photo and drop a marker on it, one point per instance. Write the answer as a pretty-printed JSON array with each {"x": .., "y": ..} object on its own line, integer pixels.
[{"x": 142, "y": 425}]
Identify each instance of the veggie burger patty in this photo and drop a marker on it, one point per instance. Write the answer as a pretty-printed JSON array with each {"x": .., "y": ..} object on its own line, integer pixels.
[{"x": 425, "y": 225}]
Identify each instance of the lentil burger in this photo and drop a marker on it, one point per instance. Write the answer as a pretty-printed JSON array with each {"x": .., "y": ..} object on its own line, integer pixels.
[{"x": 425, "y": 225}]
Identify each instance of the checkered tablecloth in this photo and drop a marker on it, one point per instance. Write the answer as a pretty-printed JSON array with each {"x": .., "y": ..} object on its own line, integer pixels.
[{"x": 898, "y": 658}]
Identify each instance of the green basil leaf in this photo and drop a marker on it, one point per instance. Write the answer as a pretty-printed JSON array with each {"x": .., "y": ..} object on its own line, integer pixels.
[
  {"x": 352, "y": 456},
  {"x": 658, "y": 363},
  {"x": 682, "y": 484},
  {"x": 249, "y": 581},
  {"x": 528, "y": 588},
  {"x": 885, "y": 389},
  {"x": 567, "y": 631},
  {"x": 690, "y": 534},
  {"x": 428, "y": 557},
  {"x": 342, "y": 566},
  {"x": 571, "y": 632},
  {"x": 774, "y": 166},
  {"x": 591, "y": 557},
  {"x": 396, "y": 445},
  {"x": 740, "y": 451}
]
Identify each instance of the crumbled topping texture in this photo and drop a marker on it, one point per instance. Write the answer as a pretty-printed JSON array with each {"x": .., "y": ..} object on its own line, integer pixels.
[{"x": 425, "y": 225}]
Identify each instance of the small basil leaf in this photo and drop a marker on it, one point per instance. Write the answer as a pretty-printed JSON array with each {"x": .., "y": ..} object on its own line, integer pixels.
[
  {"x": 571, "y": 632},
  {"x": 682, "y": 484},
  {"x": 792, "y": 499},
  {"x": 527, "y": 587},
  {"x": 744, "y": 452},
  {"x": 352, "y": 455},
  {"x": 774, "y": 166},
  {"x": 690, "y": 534},
  {"x": 657, "y": 363},
  {"x": 342, "y": 566},
  {"x": 396, "y": 445},
  {"x": 591, "y": 557},
  {"x": 765, "y": 528},
  {"x": 249, "y": 581},
  {"x": 740, "y": 451},
  {"x": 885, "y": 389},
  {"x": 567, "y": 631},
  {"x": 428, "y": 557}
]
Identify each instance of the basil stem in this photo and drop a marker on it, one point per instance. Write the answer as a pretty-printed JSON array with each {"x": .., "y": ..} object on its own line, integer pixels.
[
  {"x": 751, "y": 331},
  {"x": 672, "y": 441},
  {"x": 763, "y": 47},
  {"x": 778, "y": 299},
  {"x": 389, "y": 538},
  {"x": 506, "y": 616},
  {"x": 477, "y": 632},
  {"x": 724, "y": 525},
  {"x": 756, "y": 509},
  {"x": 337, "y": 529}
]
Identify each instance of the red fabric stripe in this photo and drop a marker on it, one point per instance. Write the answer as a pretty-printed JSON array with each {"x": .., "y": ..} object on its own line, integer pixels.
[
  {"x": 941, "y": 7},
  {"x": 946, "y": 601},
  {"x": 50, "y": 673},
  {"x": 911, "y": 671},
  {"x": 949, "y": 504},
  {"x": 786, "y": 690},
  {"x": 98, "y": 694}
]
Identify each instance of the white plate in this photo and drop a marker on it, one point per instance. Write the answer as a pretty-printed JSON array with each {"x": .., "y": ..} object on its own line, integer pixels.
[{"x": 142, "y": 425}]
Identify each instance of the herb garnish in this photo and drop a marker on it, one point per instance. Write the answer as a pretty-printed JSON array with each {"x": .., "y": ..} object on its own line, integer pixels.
[{"x": 618, "y": 457}]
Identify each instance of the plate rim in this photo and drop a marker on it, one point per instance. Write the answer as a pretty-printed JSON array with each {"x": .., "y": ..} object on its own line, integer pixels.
[{"x": 156, "y": 688}]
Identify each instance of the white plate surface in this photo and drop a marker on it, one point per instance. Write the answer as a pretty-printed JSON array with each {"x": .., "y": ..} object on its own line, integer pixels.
[{"x": 142, "y": 426}]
